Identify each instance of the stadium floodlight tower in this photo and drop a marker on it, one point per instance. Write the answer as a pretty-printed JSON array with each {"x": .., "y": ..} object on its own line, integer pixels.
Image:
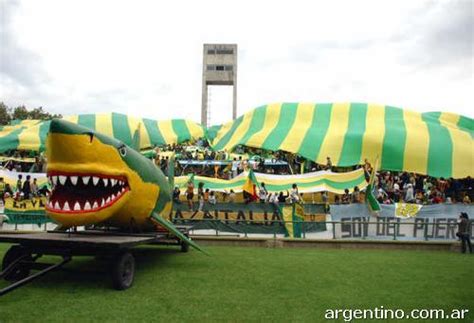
[{"x": 219, "y": 68}]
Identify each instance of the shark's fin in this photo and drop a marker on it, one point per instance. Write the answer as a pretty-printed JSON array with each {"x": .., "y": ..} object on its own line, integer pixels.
[
  {"x": 136, "y": 138},
  {"x": 170, "y": 227}
]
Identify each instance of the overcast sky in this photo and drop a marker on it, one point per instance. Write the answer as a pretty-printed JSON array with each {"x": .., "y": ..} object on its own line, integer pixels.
[{"x": 144, "y": 57}]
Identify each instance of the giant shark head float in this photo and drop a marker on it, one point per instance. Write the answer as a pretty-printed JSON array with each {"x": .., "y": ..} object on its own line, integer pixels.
[{"x": 100, "y": 180}]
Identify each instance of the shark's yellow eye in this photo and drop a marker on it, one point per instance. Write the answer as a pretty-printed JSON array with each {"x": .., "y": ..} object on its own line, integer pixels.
[{"x": 123, "y": 151}]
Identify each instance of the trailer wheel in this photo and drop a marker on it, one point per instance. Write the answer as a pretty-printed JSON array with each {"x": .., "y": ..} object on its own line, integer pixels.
[
  {"x": 184, "y": 246},
  {"x": 123, "y": 271},
  {"x": 21, "y": 271}
]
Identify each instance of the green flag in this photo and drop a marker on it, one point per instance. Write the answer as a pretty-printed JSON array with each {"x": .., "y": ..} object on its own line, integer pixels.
[
  {"x": 370, "y": 198},
  {"x": 293, "y": 215}
]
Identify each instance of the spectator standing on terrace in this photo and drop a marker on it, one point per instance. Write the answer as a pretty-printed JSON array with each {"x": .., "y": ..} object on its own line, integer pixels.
[
  {"x": 346, "y": 197},
  {"x": 442, "y": 186},
  {"x": 176, "y": 193},
  {"x": 356, "y": 195},
  {"x": 34, "y": 187},
  {"x": 262, "y": 193},
  {"x": 463, "y": 232},
  {"x": 367, "y": 169},
  {"x": 273, "y": 198},
  {"x": 235, "y": 167},
  {"x": 325, "y": 197},
  {"x": 409, "y": 196},
  {"x": 396, "y": 190},
  {"x": 245, "y": 165},
  {"x": 282, "y": 198},
  {"x": 231, "y": 196},
  {"x": 212, "y": 198},
  {"x": 19, "y": 183},
  {"x": 294, "y": 194},
  {"x": 466, "y": 199},
  {"x": 201, "y": 196},
  {"x": 240, "y": 165},
  {"x": 27, "y": 187},
  {"x": 190, "y": 194}
]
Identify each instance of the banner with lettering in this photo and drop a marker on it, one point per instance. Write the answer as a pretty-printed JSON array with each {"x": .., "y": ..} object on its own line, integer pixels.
[{"x": 409, "y": 222}]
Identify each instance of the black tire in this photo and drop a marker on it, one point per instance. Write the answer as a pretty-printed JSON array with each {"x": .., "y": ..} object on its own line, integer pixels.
[
  {"x": 123, "y": 271},
  {"x": 184, "y": 246},
  {"x": 21, "y": 271}
]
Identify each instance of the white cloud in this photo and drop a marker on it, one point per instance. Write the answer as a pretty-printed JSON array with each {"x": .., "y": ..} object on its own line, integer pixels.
[{"x": 144, "y": 57}]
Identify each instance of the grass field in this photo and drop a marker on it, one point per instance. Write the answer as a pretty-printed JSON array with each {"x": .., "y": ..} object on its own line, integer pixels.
[{"x": 246, "y": 284}]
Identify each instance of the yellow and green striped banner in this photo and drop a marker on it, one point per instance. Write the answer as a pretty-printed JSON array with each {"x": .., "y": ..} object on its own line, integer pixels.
[
  {"x": 31, "y": 134},
  {"x": 438, "y": 144},
  {"x": 307, "y": 183}
]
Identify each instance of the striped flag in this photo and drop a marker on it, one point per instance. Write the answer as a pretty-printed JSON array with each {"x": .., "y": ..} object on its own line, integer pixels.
[
  {"x": 293, "y": 215},
  {"x": 250, "y": 185}
]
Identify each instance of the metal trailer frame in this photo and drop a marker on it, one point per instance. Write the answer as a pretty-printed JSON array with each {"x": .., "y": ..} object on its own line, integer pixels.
[{"x": 116, "y": 246}]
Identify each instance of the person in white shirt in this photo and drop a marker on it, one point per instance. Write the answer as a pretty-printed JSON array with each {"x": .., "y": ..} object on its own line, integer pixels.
[
  {"x": 212, "y": 198},
  {"x": 262, "y": 193},
  {"x": 409, "y": 196},
  {"x": 294, "y": 194},
  {"x": 235, "y": 167}
]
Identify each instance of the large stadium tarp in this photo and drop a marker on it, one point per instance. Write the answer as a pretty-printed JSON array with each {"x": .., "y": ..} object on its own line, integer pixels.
[
  {"x": 31, "y": 134},
  {"x": 433, "y": 143},
  {"x": 307, "y": 183}
]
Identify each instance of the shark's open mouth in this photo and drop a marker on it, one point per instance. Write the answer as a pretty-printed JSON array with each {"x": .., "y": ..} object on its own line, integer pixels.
[{"x": 80, "y": 193}]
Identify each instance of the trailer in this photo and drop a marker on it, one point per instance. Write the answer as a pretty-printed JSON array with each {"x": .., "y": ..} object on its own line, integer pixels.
[{"x": 23, "y": 257}]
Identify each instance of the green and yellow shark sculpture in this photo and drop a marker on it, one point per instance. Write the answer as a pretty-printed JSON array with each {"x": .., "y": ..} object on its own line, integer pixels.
[{"x": 99, "y": 180}]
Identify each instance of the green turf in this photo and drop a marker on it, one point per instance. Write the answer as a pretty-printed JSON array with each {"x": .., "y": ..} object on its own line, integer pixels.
[{"x": 246, "y": 284}]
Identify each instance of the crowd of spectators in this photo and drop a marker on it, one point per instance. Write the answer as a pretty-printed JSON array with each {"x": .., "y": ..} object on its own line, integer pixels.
[
  {"x": 390, "y": 187},
  {"x": 25, "y": 188},
  {"x": 394, "y": 187}
]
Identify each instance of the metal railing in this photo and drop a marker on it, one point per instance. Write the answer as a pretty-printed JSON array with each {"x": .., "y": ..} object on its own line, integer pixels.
[{"x": 346, "y": 229}]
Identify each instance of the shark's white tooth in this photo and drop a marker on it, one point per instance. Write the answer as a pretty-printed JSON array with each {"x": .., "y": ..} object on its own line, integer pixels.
[
  {"x": 77, "y": 206},
  {"x": 113, "y": 181},
  {"x": 62, "y": 179},
  {"x": 120, "y": 183},
  {"x": 106, "y": 181},
  {"x": 95, "y": 205},
  {"x": 118, "y": 193},
  {"x": 55, "y": 180},
  {"x": 87, "y": 206},
  {"x": 123, "y": 189},
  {"x": 112, "y": 197},
  {"x": 66, "y": 206},
  {"x": 56, "y": 206},
  {"x": 73, "y": 180},
  {"x": 107, "y": 200},
  {"x": 102, "y": 203},
  {"x": 95, "y": 180},
  {"x": 50, "y": 204},
  {"x": 85, "y": 179}
]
